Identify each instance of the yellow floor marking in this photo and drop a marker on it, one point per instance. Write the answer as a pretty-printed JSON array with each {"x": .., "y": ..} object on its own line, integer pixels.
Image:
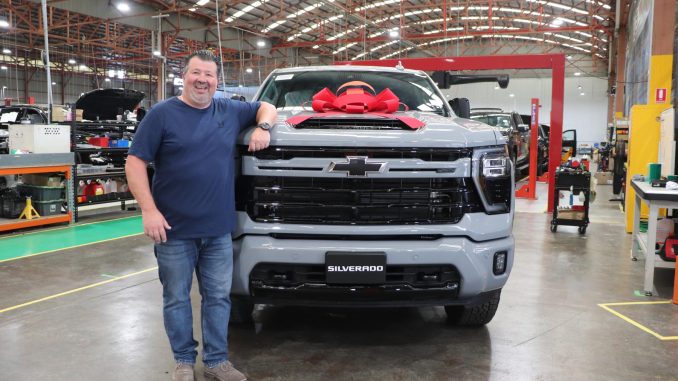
[
  {"x": 627, "y": 319},
  {"x": 69, "y": 247},
  {"x": 64, "y": 227},
  {"x": 76, "y": 290}
]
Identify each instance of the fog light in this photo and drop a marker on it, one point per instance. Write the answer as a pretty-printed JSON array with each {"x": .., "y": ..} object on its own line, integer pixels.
[{"x": 499, "y": 265}]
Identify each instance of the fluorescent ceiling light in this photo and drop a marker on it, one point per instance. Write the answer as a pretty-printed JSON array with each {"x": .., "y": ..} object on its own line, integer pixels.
[
  {"x": 3, "y": 67},
  {"x": 557, "y": 22},
  {"x": 170, "y": 75},
  {"x": 202, "y": 2},
  {"x": 4, "y": 23},
  {"x": 121, "y": 74},
  {"x": 53, "y": 83},
  {"x": 261, "y": 43},
  {"x": 156, "y": 53},
  {"x": 249, "y": 70},
  {"x": 512, "y": 95},
  {"x": 582, "y": 93},
  {"x": 122, "y": 7},
  {"x": 577, "y": 74},
  {"x": 191, "y": 9},
  {"x": 393, "y": 33},
  {"x": 107, "y": 80},
  {"x": 71, "y": 61},
  {"x": 83, "y": 67},
  {"x": 111, "y": 73},
  {"x": 6, "y": 51}
]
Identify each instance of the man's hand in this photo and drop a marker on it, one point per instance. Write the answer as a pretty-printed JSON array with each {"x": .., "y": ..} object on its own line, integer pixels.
[
  {"x": 259, "y": 140},
  {"x": 155, "y": 226}
]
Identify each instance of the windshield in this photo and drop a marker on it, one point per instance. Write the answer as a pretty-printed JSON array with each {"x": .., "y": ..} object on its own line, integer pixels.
[
  {"x": 502, "y": 121},
  {"x": 416, "y": 91}
]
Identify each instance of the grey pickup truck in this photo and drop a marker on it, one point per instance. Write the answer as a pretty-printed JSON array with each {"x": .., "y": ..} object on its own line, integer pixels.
[{"x": 363, "y": 202}]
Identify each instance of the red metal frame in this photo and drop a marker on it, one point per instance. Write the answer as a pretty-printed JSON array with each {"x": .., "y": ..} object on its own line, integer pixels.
[
  {"x": 555, "y": 62},
  {"x": 529, "y": 190}
]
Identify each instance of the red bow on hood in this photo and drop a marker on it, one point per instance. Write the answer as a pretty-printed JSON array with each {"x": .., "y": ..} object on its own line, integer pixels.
[{"x": 355, "y": 100}]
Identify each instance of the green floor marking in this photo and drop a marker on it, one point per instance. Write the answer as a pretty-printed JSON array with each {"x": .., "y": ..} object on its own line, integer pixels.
[{"x": 72, "y": 236}]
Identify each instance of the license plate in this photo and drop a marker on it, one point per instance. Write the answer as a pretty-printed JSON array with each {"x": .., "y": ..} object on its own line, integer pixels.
[{"x": 355, "y": 268}]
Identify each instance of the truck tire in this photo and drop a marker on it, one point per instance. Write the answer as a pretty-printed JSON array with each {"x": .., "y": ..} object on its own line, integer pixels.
[
  {"x": 476, "y": 315},
  {"x": 241, "y": 311}
]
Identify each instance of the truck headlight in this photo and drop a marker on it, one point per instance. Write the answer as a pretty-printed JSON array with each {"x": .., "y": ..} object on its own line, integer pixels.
[{"x": 495, "y": 181}]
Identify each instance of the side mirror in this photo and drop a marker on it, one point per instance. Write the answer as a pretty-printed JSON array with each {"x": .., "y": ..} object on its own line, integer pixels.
[
  {"x": 523, "y": 127},
  {"x": 461, "y": 107}
]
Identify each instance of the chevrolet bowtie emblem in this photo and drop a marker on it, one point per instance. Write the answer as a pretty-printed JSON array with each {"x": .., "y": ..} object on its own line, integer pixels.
[{"x": 357, "y": 166}]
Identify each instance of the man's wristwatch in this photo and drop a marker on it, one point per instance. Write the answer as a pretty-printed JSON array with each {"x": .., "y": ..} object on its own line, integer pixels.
[{"x": 265, "y": 126}]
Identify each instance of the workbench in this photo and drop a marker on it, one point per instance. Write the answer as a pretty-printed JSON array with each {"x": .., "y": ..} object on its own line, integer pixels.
[{"x": 655, "y": 198}]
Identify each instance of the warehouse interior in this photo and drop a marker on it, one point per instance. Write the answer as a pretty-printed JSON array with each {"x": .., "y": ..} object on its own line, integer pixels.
[{"x": 540, "y": 167}]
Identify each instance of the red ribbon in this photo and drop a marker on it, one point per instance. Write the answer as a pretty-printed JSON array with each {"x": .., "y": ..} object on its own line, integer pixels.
[{"x": 355, "y": 100}]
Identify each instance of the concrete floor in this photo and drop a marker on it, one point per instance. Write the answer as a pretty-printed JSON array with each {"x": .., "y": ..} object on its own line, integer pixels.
[{"x": 549, "y": 325}]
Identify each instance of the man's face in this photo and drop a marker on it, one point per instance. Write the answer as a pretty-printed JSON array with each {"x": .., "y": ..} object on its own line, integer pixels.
[{"x": 200, "y": 82}]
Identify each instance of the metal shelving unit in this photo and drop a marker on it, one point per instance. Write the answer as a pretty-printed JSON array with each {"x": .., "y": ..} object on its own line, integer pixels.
[
  {"x": 39, "y": 163},
  {"x": 113, "y": 129}
]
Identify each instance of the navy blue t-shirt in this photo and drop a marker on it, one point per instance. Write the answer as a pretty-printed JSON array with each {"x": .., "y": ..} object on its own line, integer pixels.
[{"x": 193, "y": 150}]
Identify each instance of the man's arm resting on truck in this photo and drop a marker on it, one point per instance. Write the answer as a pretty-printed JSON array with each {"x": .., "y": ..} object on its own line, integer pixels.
[{"x": 260, "y": 139}]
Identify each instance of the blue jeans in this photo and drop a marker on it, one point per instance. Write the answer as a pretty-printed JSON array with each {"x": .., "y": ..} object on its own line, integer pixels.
[{"x": 212, "y": 261}]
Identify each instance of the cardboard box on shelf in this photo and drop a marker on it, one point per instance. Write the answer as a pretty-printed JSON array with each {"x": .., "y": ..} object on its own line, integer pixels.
[
  {"x": 603, "y": 177},
  {"x": 61, "y": 114},
  {"x": 43, "y": 180}
]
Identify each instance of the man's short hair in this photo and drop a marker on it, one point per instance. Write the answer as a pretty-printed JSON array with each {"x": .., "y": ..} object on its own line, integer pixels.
[{"x": 204, "y": 55}]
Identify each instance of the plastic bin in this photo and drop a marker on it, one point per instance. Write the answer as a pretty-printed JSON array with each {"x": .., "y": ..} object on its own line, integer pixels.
[
  {"x": 40, "y": 193},
  {"x": 48, "y": 208},
  {"x": 119, "y": 143},
  {"x": 12, "y": 204}
]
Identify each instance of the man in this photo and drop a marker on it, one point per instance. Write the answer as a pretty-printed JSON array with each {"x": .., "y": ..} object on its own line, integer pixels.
[{"x": 191, "y": 212}]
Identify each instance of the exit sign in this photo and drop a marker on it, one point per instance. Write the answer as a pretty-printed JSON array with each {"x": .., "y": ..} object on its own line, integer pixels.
[{"x": 660, "y": 96}]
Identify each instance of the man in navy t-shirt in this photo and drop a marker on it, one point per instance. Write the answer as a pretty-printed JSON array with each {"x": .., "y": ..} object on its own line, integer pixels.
[{"x": 190, "y": 214}]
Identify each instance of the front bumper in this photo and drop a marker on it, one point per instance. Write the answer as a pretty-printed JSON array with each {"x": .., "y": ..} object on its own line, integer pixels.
[{"x": 465, "y": 269}]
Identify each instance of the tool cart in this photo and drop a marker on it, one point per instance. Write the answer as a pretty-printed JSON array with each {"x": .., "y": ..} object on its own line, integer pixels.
[{"x": 576, "y": 182}]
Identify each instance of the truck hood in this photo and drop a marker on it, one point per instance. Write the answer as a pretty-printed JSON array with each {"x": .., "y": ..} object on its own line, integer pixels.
[{"x": 438, "y": 131}]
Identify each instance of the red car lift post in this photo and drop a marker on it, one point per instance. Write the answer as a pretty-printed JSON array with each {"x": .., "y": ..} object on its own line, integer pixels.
[
  {"x": 555, "y": 62},
  {"x": 529, "y": 190}
]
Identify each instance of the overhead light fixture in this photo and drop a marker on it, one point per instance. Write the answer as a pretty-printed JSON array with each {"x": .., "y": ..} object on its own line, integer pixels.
[
  {"x": 6, "y": 51},
  {"x": 111, "y": 73},
  {"x": 122, "y": 7},
  {"x": 577, "y": 74},
  {"x": 579, "y": 87},
  {"x": 107, "y": 80},
  {"x": 202, "y": 2},
  {"x": 261, "y": 43},
  {"x": 3, "y": 22},
  {"x": 316, "y": 46},
  {"x": 121, "y": 74},
  {"x": 71, "y": 61},
  {"x": 557, "y": 22},
  {"x": 496, "y": 87},
  {"x": 170, "y": 75},
  {"x": 569, "y": 56},
  {"x": 156, "y": 53},
  {"x": 393, "y": 33},
  {"x": 582, "y": 93},
  {"x": 191, "y": 9},
  {"x": 53, "y": 83},
  {"x": 83, "y": 67},
  {"x": 512, "y": 95},
  {"x": 3, "y": 67},
  {"x": 249, "y": 70}
]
